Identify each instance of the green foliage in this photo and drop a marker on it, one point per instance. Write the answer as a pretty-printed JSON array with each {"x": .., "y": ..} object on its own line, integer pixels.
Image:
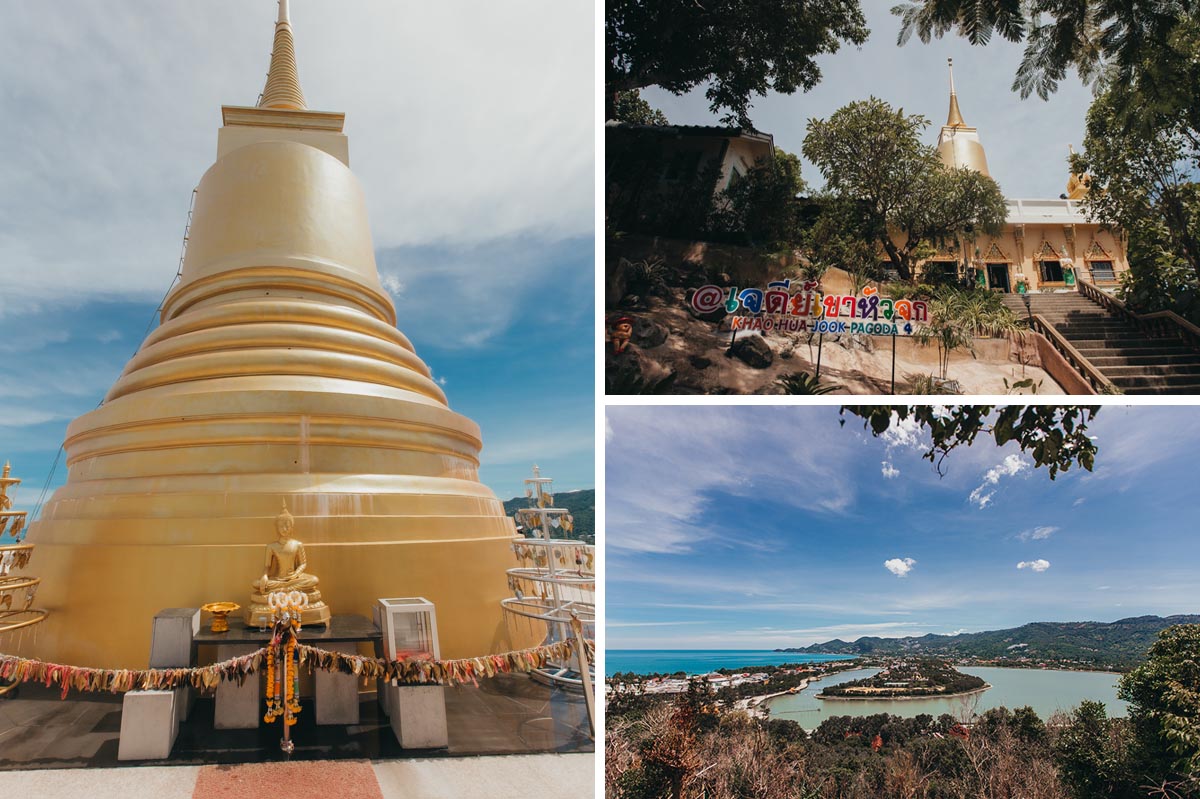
[
  {"x": 803, "y": 383},
  {"x": 637, "y": 201},
  {"x": 925, "y": 677},
  {"x": 1105, "y": 42},
  {"x": 1092, "y": 754},
  {"x": 959, "y": 316},
  {"x": 872, "y": 156},
  {"x": 839, "y": 237},
  {"x": 1055, "y": 436},
  {"x": 628, "y": 106},
  {"x": 1165, "y": 696},
  {"x": 735, "y": 48},
  {"x": 762, "y": 204}
]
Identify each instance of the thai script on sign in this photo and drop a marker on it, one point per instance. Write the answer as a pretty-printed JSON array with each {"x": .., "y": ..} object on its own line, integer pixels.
[{"x": 890, "y": 317}]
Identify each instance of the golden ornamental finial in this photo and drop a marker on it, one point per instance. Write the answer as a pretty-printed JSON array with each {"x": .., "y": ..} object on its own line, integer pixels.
[
  {"x": 283, "y": 80},
  {"x": 954, "y": 119}
]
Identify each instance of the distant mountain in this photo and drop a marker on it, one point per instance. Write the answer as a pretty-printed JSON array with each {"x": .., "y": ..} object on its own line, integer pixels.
[
  {"x": 1119, "y": 643},
  {"x": 582, "y": 505}
]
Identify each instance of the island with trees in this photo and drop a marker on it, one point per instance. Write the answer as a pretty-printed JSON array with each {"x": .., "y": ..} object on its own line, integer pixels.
[{"x": 908, "y": 678}]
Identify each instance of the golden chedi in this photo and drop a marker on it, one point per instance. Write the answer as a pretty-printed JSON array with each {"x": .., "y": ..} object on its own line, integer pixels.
[
  {"x": 276, "y": 371},
  {"x": 285, "y": 571}
]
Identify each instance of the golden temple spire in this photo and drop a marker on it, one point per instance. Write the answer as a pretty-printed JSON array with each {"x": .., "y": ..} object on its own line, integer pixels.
[
  {"x": 954, "y": 119},
  {"x": 283, "y": 81}
]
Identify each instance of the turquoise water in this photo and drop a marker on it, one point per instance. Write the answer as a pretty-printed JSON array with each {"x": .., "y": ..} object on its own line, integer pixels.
[
  {"x": 1046, "y": 691},
  {"x": 700, "y": 661}
]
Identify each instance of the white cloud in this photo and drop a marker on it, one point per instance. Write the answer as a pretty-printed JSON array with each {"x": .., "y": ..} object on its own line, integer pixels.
[
  {"x": 1039, "y": 533},
  {"x": 981, "y": 499},
  {"x": 1078, "y": 502},
  {"x": 392, "y": 284},
  {"x": 1039, "y": 565},
  {"x": 608, "y": 431},
  {"x": 899, "y": 566},
  {"x": 1011, "y": 466},
  {"x": 890, "y": 471},
  {"x": 902, "y": 432}
]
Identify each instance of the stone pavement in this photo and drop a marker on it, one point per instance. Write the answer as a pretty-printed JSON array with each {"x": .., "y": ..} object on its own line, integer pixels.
[
  {"x": 544, "y": 776},
  {"x": 509, "y": 736}
]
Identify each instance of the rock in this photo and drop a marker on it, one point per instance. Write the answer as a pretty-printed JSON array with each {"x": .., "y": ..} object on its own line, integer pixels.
[
  {"x": 692, "y": 278},
  {"x": 787, "y": 352},
  {"x": 633, "y": 302},
  {"x": 753, "y": 351},
  {"x": 723, "y": 279},
  {"x": 616, "y": 283},
  {"x": 634, "y": 372},
  {"x": 699, "y": 361},
  {"x": 647, "y": 333}
]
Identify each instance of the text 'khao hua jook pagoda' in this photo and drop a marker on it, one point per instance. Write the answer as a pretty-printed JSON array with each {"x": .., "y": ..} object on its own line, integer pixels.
[{"x": 277, "y": 375}]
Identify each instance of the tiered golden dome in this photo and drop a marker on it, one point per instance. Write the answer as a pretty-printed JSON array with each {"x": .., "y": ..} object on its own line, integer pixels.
[{"x": 276, "y": 373}]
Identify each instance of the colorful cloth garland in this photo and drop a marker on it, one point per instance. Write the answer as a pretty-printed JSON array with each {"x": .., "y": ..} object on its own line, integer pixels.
[{"x": 450, "y": 672}]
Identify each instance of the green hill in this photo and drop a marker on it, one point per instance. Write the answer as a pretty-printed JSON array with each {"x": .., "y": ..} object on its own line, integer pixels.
[
  {"x": 1119, "y": 644},
  {"x": 582, "y": 505}
]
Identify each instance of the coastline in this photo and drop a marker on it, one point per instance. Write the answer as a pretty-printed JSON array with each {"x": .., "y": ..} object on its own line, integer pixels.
[
  {"x": 753, "y": 704},
  {"x": 878, "y": 698}
]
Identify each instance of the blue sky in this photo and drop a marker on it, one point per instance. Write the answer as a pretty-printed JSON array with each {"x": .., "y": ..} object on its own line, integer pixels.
[
  {"x": 763, "y": 527},
  {"x": 477, "y": 162},
  {"x": 1025, "y": 140}
]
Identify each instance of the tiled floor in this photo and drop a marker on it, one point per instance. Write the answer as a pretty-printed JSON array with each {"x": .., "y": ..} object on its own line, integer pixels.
[
  {"x": 508, "y": 715},
  {"x": 546, "y": 776}
]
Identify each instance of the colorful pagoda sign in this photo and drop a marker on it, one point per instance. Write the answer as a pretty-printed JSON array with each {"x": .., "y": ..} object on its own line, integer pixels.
[{"x": 808, "y": 310}]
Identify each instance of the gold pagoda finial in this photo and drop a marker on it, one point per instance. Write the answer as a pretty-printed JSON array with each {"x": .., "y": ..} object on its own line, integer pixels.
[
  {"x": 283, "y": 81},
  {"x": 955, "y": 119}
]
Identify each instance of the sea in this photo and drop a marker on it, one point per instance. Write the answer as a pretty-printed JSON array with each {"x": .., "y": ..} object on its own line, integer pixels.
[{"x": 700, "y": 661}]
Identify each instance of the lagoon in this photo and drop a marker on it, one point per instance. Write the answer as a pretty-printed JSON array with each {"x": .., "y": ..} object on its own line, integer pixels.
[{"x": 1045, "y": 690}]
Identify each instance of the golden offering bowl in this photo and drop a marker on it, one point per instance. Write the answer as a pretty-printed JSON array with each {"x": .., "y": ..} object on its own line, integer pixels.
[{"x": 220, "y": 611}]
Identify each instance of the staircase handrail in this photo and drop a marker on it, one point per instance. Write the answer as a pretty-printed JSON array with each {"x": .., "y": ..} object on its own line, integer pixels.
[
  {"x": 1161, "y": 323},
  {"x": 1074, "y": 357}
]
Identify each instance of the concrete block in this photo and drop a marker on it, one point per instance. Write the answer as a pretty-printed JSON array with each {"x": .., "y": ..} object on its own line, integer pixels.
[
  {"x": 149, "y": 725},
  {"x": 238, "y": 707},
  {"x": 419, "y": 716},
  {"x": 171, "y": 638},
  {"x": 336, "y": 693}
]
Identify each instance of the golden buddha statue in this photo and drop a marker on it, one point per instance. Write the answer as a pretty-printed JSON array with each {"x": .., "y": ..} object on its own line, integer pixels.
[{"x": 285, "y": 570}]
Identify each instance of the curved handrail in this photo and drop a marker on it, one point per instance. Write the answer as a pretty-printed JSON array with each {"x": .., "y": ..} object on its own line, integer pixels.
[
  {"x": 1158, "y": 323},
  {"x": 1086, "y": 369}
]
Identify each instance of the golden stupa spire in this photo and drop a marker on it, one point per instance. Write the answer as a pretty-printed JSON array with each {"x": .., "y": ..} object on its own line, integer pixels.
[
  {"x": 283, "y": 81},
  {"x": 954, "y": 119}
]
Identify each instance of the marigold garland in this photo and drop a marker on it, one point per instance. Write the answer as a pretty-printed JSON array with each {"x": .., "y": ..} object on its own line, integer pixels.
[{"x": 412, "y": 670}]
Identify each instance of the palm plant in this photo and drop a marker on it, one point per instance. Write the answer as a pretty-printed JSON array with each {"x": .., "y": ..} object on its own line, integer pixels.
[
  {"x": 960, "y": 316},
  {"x": 804, "y": 383}
]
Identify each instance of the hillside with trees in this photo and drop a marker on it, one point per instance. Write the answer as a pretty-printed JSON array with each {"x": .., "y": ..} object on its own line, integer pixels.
[
  {"x": 582, "y": 505},
  {"x": 1118, "y": 644}
]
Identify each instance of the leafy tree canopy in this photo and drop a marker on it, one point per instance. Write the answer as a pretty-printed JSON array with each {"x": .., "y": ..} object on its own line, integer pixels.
[
  {"x": 1165, "y": 696},
  {"x": 762, "y": 203},
  {"x": 1055, "y": 436},
  {"x": 630, "y": 107},
  {"x": 1103, "y": 40},
  {"x": 739, "y": 48},
  {"x": 872, "y": 155}
]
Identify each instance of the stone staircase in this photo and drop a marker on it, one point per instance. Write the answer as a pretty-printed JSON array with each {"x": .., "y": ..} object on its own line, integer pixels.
[{"x": 1132, "y": 359}]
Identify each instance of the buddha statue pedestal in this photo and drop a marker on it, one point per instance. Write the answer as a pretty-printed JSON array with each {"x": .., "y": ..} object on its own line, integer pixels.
[{"x": 285, "y": 571}]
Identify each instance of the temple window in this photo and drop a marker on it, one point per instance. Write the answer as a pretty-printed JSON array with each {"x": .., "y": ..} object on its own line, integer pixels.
[
  {"x": 1052, "y": 271},
  {"x": 1102, "y": 270}
]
